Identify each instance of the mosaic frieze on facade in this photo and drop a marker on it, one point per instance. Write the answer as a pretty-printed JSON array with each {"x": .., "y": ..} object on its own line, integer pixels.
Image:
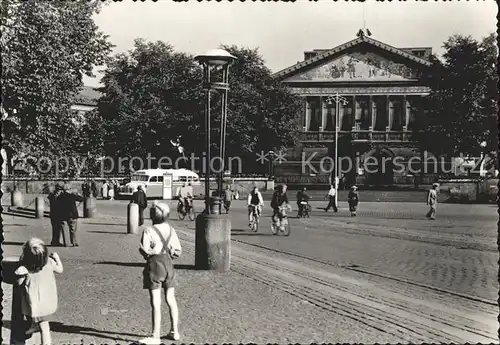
[
  {"x": 361, "y": 90},
  {"x": 358, "y": 67}
]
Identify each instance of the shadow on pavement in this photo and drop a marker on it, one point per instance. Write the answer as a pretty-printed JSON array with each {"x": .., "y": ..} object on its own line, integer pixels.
[
  {"x": 125, "y": 264},
  {"x": 8, "y": 243},
  {"x": 21, "y": 215},
  {"x": 106, "y": 232},
  {"x": 141, "y": 264},
  {"x": 251, "y": 234},
  {"x": 112, "y": 224},
  {"x": 60, "y": 327}
]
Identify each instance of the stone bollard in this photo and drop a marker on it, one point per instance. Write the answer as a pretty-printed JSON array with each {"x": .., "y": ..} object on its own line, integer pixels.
[
  {"x": 270, "y": 185},
  {"x": 132, "y": 218},
  {"x": 215, "y": 204},
  {"x": 89, "y": 207},
  {"x": 17, "y": 327},
  {"x": 16, "y": 198},
  {"x": 213, "y": 242},
  {"x": 152, "y": 210},
  {"x": 39, "y": 207}
]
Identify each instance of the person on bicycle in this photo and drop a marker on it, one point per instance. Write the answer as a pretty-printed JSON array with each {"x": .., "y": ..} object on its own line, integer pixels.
[
  {"x": 302, "y": 197},
  {"x": 279, "y": 198},
  {"x": 184, "y": 195},
  {"x": 256, "y": 201}
]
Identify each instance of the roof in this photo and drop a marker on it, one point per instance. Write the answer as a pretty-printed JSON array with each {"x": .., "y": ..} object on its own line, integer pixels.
[
  {"x": 87, "y": 96},
  {"x": 325, "y": 54}
]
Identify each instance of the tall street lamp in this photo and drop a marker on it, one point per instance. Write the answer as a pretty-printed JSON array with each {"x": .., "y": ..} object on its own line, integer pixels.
[
  {"x": 338, "y": 100},
  {"x": 212, "y": 61},
  {"x": 213, "y": 230}
]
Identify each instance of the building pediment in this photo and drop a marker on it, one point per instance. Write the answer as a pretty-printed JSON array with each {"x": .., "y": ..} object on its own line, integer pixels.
[{"x": 361, "y": 60}]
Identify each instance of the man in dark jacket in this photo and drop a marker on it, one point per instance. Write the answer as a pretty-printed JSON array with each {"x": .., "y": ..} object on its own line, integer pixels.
[
  {"x": 55, "y": 211},
  {"x": 69, "y": 212},
  {"x": 279, "y": 198},
  {"x": 141, "y": 200}
]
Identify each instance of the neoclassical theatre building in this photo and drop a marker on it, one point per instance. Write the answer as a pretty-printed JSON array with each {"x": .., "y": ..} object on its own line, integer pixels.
[{"x": 379, "y": 85}]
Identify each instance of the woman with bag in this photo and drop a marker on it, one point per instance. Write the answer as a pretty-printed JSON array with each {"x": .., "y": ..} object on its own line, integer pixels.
[{"x": 159, "y": 246}]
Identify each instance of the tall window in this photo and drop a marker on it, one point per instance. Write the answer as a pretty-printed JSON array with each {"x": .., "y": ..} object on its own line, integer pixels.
[
  {"x": 315, "y": 116},
  {"x": 330, "y": 117}
]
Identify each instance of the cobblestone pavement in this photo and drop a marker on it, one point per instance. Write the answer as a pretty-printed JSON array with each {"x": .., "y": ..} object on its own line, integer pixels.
[{"x": 386, "y": 276}]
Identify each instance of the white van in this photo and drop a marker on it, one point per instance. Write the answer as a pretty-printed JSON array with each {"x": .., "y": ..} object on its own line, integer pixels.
[{"x": 152, "y": 181}]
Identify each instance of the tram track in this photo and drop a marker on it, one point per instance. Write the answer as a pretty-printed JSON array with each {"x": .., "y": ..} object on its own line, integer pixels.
[{"x": 377, "y": 310}]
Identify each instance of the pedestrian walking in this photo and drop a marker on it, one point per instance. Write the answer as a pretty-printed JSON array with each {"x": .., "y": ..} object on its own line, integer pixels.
[
  {"x": 432, "y": 201},
  {"x": 55, "y": 214},
  {"x": 93, "y": 188},
  {"x": 228, "y": 197},
  {"x": 104, "y": 190},
  {"x": 139, "y": 197},
  {"x": 69, "y": 213},
  {"x": 86, "y": 189},
  {"x": 159, "y": 246},
  {"x": 331, "y": 200},
  {"x": 353, "y": 200},
  {"x": 35, "y": 276},
  {"x": 111, "y": 191}
]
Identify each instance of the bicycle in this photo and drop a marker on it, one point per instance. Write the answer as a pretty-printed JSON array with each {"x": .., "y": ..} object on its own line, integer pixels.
[
  {"x": 254, "y": 222},
  {"x": 182, "y": 212},
  {"x": 281, "y": 225},
  {"x": 305, "y": 210}
]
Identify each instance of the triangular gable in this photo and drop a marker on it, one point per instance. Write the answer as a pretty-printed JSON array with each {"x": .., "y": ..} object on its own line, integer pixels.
[{"x": 352, "y": 66}]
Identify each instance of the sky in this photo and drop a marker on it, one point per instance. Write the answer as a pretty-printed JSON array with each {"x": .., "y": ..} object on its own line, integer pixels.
[{"x": 283, "y": 31}]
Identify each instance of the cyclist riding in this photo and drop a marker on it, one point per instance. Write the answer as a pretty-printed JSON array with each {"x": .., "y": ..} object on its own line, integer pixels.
[
  {"x": 185, "y": 194},
  {"x": 254, "y": 201},
  {"x": 302, "y": 200},
  {"x": 279, "y": 198}
]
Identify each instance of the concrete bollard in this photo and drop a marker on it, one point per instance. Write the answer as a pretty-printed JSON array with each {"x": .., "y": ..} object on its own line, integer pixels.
[
  {"x": 213, "y": 242},
  {"x": 215, "y": 204},
  {"x": 16, "y": 198},
  {"x": 39, "y": 207},
  {"x": 89, "y": 207},
  {"x": 132, "y": 218},
  {"x": 17, "y": 327}
]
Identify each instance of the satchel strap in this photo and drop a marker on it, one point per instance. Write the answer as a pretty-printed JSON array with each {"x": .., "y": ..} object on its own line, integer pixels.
[{"x": 165, "y": 242}]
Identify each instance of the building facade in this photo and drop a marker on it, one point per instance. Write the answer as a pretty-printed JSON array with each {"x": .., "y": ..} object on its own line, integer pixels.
[{"x": 379, "y": 86}]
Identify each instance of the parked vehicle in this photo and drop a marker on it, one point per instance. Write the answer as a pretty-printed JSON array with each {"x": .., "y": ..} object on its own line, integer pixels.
[{"x": 152, "y": 181}]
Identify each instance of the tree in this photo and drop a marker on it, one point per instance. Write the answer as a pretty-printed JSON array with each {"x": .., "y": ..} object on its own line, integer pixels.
[
  {"x": 153, "y": 94},
  {"x": 47, "y": 47},
  {"x": 460, "y": 111}
]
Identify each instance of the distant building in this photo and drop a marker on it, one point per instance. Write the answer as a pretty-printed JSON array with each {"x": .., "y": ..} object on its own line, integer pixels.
[
  {"x": 85, "y": 101},
  {"x": 380, "y": 85}
]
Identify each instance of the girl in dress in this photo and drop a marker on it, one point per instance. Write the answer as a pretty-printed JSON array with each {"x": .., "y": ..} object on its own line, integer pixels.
[{"x": 35, "y": 276}]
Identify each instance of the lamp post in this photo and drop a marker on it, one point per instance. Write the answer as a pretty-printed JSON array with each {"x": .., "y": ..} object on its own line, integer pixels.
[
  {"x": 338, "y": 100},
  {"x": 213, "y": 230},
  {"x": 483, "y": 145},
  {"x": 271, "y": 155},
  {"x": 211, "y": 61}
]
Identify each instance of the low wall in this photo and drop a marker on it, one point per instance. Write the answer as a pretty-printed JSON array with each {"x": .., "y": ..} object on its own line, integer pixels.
[
  {"x": 460, "y": 190},
  {"x": 30, "y": 186}
]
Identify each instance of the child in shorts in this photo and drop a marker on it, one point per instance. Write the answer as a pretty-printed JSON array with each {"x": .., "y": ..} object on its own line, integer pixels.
[
  {"x": 36, "y": 278},
  {"x": 159, "y": 273}
]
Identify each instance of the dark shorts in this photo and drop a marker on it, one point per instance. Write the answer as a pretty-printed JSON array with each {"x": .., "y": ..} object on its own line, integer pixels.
[{"x": 159, "y": 272}]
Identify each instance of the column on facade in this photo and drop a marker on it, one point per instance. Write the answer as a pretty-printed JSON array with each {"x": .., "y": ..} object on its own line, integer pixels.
[
  {"x": 307, "y": 115},
  {"x": 354, "y": 112},
  {"x": 407, "y": 111},
  {"x": 373, "y": 113},
  {"x": 324, "y": 113},
  {"x": 389, "y": 112},
  {"x": 339, "y": 121}
]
